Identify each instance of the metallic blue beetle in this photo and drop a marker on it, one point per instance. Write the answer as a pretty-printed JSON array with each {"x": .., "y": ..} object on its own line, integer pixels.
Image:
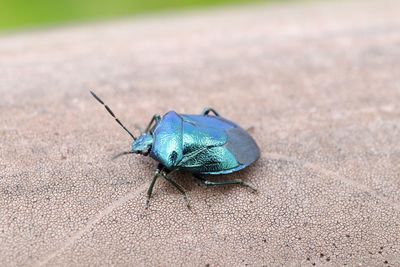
[{"x": 200, "y": 144}]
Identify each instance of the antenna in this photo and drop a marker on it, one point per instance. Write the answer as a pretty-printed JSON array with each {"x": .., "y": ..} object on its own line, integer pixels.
[{"x": 112, "y": 114}]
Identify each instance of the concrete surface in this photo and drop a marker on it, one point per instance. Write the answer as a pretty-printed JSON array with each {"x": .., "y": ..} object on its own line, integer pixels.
[{"x": 319, "y": 82}]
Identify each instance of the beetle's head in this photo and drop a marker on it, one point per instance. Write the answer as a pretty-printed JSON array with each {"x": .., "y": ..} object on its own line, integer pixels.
[{"x": 142, "y": 144}]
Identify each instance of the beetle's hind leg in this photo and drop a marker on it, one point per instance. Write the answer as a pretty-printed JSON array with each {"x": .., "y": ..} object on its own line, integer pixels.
[
  {"x": 178, "y": 187},
  {"x": 208, "y": 110},
  {"x": 222, "y": 183}
]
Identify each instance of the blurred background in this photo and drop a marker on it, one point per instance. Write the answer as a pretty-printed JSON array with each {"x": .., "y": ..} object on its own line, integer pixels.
[{"x": 23, "y": 14}]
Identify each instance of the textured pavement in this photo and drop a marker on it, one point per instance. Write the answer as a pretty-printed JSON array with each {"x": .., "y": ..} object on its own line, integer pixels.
[{"x": 317, "y": 83}]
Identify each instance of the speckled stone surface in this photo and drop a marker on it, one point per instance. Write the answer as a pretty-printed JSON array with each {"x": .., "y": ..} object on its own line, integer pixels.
[{"x": 317, "y": 82}]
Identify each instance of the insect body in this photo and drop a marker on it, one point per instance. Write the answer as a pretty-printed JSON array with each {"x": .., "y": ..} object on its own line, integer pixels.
[{"x": 199, "y": 144}]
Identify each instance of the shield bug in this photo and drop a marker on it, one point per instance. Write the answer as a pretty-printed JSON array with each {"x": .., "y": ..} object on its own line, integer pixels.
[{"x": 201, "y": 144}]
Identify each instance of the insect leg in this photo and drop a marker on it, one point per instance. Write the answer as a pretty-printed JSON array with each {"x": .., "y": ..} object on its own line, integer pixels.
[
  {"x": 156, "y": 118},
  {"x": 153, "y": 181},
  {"x": 222, "y": 183},
  {"x": 208, "y": 110},
  {"x": 178, "y": 187}
]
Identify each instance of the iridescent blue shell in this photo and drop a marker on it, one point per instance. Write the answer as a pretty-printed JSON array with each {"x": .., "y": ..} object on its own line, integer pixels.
[{"x": 202, "y": 144}]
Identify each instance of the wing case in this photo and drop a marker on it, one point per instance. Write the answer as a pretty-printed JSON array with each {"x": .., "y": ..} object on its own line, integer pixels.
[{"x": 202, "y": 144}]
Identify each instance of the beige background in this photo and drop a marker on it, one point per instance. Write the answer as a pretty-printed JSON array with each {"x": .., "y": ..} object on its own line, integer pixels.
[{"x": 319, "y": 82}]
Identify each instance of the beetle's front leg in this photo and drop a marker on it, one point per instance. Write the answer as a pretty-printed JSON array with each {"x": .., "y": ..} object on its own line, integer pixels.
[
  {"x": 156, "y": 118},
  {"x": 153, "y": 181}
]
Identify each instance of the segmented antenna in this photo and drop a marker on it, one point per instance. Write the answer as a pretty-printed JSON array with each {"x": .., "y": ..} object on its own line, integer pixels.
[{"x": 112, "y": 114}]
